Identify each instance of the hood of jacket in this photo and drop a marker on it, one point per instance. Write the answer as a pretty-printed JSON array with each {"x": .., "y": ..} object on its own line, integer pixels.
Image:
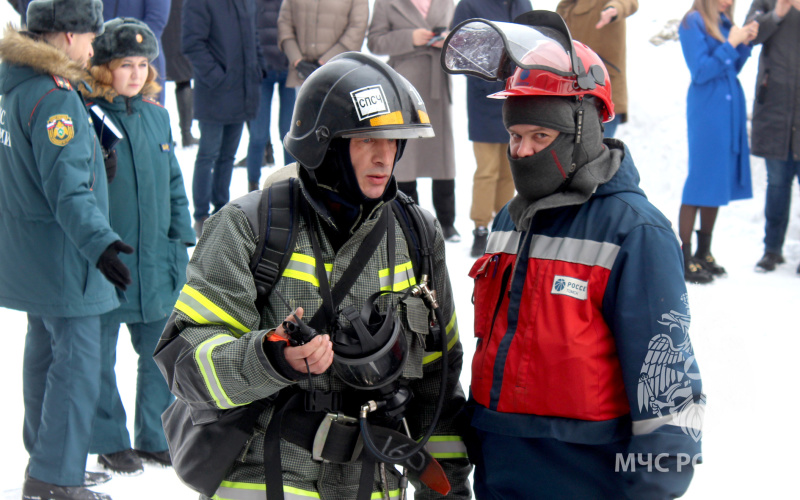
[{"x": 26, "y": 49}]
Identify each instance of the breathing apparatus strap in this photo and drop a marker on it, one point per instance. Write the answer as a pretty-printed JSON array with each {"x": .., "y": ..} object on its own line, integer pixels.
[{"x": 331, "y": 298}]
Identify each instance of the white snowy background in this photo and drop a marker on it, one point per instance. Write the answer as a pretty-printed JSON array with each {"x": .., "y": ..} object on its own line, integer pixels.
[{"x": 743, "y": 333}]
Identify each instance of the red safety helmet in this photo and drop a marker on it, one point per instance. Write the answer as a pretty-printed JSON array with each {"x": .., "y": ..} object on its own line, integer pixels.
[{"x": 535, "y": 55}]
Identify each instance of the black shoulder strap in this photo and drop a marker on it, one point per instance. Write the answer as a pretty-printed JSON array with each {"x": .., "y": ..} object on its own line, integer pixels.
[
  {"x": 419, "y": 229},
  {"x": 277, "y": 223}
]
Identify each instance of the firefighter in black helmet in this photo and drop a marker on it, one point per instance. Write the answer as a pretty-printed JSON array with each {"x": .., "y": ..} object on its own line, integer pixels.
[{"x": 353, "y": 276}]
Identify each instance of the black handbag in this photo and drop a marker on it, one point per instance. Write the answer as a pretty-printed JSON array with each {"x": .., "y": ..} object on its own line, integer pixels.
[{"x": 204, "y": 444}]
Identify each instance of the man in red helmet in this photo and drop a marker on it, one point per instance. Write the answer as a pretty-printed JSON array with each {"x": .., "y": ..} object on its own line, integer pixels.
[{"x": 584, "y": 383}]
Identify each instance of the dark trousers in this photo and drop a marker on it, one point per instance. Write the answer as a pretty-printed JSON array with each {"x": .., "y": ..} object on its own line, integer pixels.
[
  {"x": 444, "y": 198},
  {"x": 259, "y": 128},
  {"x": 60, "y": 387},
  {"x": 214, "y": 165},
  {"x": 110, "y": 431},
  {"x": 780, "y": 178}
]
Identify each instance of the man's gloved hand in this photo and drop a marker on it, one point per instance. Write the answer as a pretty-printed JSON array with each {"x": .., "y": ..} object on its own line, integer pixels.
[
  {"x": 305, "y": 68},
  {"x": 112, "y": 268},
  {"x": 110, "y": 159}
]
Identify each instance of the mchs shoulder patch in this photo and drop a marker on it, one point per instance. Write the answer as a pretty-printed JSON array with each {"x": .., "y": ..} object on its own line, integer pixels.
[{"x": 60, "y": 129}]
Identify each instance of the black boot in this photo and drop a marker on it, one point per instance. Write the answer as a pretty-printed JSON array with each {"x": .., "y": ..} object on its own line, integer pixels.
[
  {"x": 769, "y": 261},
  {"x": 444, "y": 204},
  {"x": 479, "y": 243},
  {"x": 693, "y": 271},
  {"x": 183, "y": 96},
  {"x": 33, "y": 489},
  {"x": 703, "y": 254},
  {"x": 252, "y": 186},
  {"x": 125, "y": 462}
]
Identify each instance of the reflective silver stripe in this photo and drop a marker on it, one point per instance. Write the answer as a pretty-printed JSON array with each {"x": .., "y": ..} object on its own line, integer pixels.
[
  {"x": 203, "y": 357},
  {"x": 446, "y": 447},
  {"x": 247, "y": 491},
  {"x": 590, "y": 253},
  {"x": 652, "y": 424},
  {"x": 203, "y": 311},
  {"x": 503, "y": 242},
  {"x": 403, "y": 277}
]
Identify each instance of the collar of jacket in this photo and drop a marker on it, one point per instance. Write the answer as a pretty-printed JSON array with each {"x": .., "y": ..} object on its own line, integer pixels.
[
  {"x": 312, "y": 196},
  {"x": 27, "y": 49},
  {"x": 92, "y": 89}
]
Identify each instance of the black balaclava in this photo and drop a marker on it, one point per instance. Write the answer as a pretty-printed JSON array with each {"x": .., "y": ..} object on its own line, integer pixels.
[{"x": 551, "y": 169}]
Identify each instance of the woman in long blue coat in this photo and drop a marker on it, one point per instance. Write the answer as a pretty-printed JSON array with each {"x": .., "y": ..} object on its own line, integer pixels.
[
  {"x": 719, "y": 158},
  {"x": 148, "y": 205}
]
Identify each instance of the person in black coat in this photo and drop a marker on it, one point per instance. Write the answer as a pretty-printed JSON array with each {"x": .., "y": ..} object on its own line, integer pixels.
[
  {"x": 179, "y": 70},
  {"x": 219, "y": 38}
]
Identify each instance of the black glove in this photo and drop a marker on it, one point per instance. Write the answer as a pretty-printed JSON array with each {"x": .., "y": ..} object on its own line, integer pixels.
[
  {"x": 112, "y": 268},
  {"x": 110, "y": 158},
  {"x": 305, "y": 68}
]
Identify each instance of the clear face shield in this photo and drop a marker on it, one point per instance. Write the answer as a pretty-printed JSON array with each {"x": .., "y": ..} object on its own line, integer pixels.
[{"x": 537, "y": 40}]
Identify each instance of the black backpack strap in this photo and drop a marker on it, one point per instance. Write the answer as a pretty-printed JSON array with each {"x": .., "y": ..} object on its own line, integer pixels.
[
  {"x": 277, "y": 222},
  {"x": 419, "y": 228}
]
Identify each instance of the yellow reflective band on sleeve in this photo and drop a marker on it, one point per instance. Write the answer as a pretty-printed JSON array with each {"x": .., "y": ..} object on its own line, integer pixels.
[
  {"x": 393, "y": 494},
  {"x": 304, "y": 268},
  {"x": 403, "y": 278},
  {"x": 229, "y": 490},
  {"x": 204, "y": 312},
  {"x": 450, "y": 329},
  {"x": 202, "y": 355},
  {"x": 446, "y": 447}
]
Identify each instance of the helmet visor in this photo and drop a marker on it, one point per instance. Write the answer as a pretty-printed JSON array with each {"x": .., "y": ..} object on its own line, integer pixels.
[{"x": 489, "y": 49}]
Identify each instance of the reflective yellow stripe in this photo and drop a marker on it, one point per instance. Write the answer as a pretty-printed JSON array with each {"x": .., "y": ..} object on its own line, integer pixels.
[
  {"x": 403, "y": 277},
  {"x": 446, "y": 447},
  {"x": 229, "y": 490},
  {"x": 451, "y": 329},
  {"x": 204, "y": 312},
  {"x": 204, "y": 360},
  {"x": 304, "y": 268}
]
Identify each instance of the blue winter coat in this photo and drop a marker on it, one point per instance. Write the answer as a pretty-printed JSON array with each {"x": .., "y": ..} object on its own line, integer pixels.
[
  {"x": 485, "y": 115},
  {"x": 719, "y": 156},
  {"x": 148, "y": 208},
  {"x": 154, "y": 13},
  {"x": 53, "y": 188},
  {"x": 219, "y": 38}
]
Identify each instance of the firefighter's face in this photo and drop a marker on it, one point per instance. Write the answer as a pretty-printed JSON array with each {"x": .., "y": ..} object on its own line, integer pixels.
[{"x": 373, "y": 161}]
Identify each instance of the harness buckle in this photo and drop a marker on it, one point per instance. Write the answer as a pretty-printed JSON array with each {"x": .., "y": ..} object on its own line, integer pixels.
[{"x": 321, "y": 437}]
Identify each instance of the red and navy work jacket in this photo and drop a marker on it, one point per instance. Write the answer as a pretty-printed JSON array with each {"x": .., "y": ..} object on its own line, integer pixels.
[{"x": 582, "y": 325}]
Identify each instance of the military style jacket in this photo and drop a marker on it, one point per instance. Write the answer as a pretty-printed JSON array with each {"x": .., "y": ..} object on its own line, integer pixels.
[
  {"x": 218, "y": 361},
  {"x": 53, "y": 188},
  {"x": 147, "y": 204}
]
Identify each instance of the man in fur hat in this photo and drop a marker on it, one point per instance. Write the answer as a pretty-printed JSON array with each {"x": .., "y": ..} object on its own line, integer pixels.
[{"x": 56, "y": 240}]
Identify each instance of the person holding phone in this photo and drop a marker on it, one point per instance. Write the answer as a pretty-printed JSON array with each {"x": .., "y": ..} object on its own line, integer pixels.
[
  {"x": 715, "y": 50},
  {"x": 411, "y": 34}
]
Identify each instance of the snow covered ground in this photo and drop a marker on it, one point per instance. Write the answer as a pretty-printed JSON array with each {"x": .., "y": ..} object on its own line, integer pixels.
[{"x": 741, "y": 329}]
